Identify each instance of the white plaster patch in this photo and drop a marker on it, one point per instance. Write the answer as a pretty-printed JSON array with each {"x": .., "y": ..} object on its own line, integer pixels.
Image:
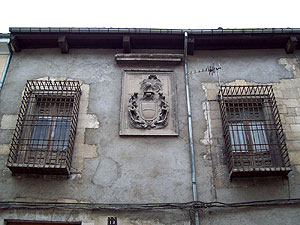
[
  {"x": 205, "y": 106},
  {"x": 207, "y": 134},
  {"x": 88, "y": 121},
  {"x": 9, "y": 121}
]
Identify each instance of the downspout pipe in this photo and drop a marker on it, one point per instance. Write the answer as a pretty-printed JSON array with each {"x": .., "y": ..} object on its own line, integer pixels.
[
  {"x": 5, "y": 68},
  {"x": 189, "y": 118}
]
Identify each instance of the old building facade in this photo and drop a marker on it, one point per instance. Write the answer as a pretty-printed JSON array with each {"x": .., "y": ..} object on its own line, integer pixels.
[{"x": 148, "y": 126}]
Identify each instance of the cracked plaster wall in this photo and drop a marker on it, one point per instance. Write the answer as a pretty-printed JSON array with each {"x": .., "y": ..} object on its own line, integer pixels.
[
  {"x": 106, "y": 168},
  {"x": 147, "y": 169}
]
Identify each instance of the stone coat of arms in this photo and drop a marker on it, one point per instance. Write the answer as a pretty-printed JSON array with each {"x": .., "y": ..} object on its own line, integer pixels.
[{"x": 150, "y": 109}]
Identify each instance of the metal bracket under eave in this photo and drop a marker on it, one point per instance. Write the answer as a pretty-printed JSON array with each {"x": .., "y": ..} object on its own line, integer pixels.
[
  {"x": 126, "y": 44},
  {"x": 190, "y": 46},
  {"x": 15, "y": 44}
]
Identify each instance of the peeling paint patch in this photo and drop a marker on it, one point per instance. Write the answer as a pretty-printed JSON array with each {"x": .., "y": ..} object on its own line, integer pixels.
[
  {"x": 207, "y": 134},
  {"x": 88, "y": 121},
  {"x": 205, "y": 106},
  {"x": 292, "y": 65}
]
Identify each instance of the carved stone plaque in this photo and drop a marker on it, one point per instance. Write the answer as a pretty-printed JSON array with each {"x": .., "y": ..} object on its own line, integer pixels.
[{"x": 148, "y": 105}]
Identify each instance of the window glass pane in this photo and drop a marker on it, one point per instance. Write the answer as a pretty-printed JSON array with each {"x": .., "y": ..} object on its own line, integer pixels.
[
  {"x": 40, "y": 133},
  {"x": 258, "y": 136},
  {"x": 238, "y": 137},
  {"x": 61, "y": 133}
]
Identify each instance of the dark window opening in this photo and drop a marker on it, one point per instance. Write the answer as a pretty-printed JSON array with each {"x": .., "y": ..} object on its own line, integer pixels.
[{"x": 255, "y": 143}]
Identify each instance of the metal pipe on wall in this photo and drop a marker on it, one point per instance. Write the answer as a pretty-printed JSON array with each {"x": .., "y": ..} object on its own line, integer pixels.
[{"x": 189, "y": 117}]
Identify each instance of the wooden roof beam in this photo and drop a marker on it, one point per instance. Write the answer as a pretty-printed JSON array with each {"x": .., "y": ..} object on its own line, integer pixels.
[
  {"x": 291, "y": 45},
  {"x": 126, "y": 44},
  {"x": 63, "y": 44}
]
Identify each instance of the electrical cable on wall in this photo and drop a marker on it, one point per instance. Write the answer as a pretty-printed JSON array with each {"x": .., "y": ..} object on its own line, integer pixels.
[{"x": 198, "y": 205}]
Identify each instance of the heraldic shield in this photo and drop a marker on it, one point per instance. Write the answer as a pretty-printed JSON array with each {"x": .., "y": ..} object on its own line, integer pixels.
[{"x": 148, "y": 110}]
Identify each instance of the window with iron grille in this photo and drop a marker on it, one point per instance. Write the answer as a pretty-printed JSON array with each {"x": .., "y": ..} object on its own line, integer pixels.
[
  {"x": 46, "y": 127},
  {"x": 254, "y": 138}
]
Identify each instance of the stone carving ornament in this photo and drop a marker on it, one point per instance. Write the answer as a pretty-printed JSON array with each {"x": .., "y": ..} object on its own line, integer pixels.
[{"x": 151, "y": 110}]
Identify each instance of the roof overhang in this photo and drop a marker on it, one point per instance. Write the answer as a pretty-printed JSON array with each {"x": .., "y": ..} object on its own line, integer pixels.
[{"x": 139, "y": 38}]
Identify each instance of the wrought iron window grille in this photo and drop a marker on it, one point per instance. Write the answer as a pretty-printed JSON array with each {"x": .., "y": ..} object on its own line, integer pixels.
[
  {"x": 45, "y": 133},
  {"x": 254, "y": 138}
]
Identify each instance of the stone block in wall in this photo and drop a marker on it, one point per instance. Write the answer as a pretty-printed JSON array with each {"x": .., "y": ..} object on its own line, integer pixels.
[
  {"x": 282, "y": 108},
  {"x": 294, "y": 177},
  {"x": 290, "y": 94},
  {"x": 297, "y": 111},
  {"x": 297, "y": 119},
  {"x": 212, "y": 94},
  {"x": 294, "y": 156},
  {"x": 295, "y": 128},
  {"x": 291, "y": 111},
  {"x": 291, "y": 103},
  {"x": 4, "y": 149},
  {"x": 214, "y": 106},
  {"x": 215, "y": 115},
  {"x": 292, "y": 135},
  {"x": 278, "y": 94},
  {"x": 288, "y": 119},
  {"x": 9, "y": 122},
  {"x": 216, "y": 123},
  {"x": 221, "y": 177}
]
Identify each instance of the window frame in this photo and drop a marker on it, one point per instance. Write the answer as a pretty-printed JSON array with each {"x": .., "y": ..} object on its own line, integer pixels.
[
  {"x": 253, "y": 104},
  {"x": 41, "y": 153}
]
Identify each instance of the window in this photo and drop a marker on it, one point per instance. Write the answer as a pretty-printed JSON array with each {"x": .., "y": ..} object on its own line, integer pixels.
[
  {"x": 52, "y": 123},
  {"x": 255, "y": 143},
  {"x": 45, "y": 133}
]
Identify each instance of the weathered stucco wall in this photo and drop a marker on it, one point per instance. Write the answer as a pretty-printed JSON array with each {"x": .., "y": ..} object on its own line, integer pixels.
[{"x": 108, "y": 168}]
